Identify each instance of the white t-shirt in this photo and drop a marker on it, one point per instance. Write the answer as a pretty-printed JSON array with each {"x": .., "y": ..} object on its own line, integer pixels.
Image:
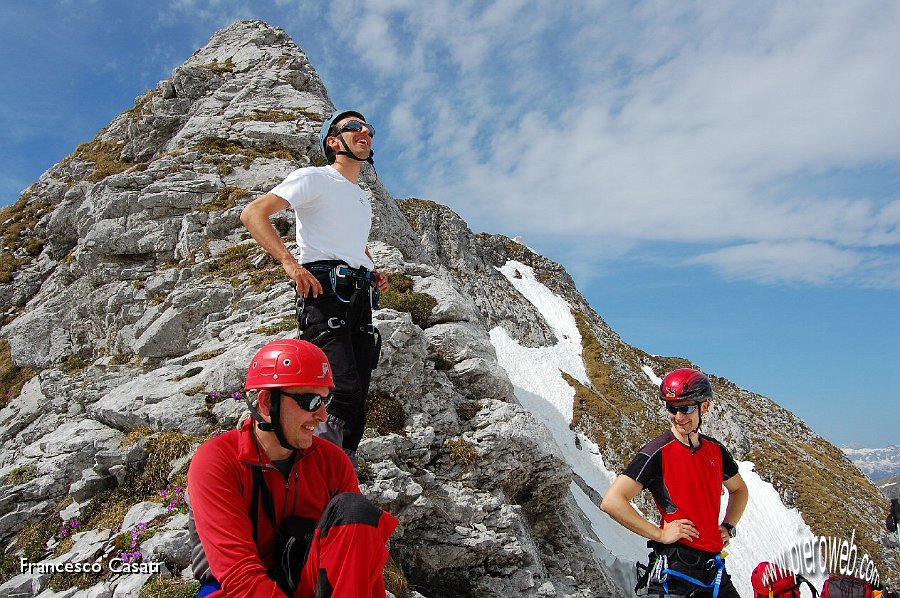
[{"x": 333, "y": 215}]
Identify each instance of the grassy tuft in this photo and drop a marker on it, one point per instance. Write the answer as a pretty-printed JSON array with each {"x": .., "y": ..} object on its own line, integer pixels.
[
  {"x": 12, "y": 377},
  {"x": 225, "y": 199},
  {"x": 228, "y": 147},
  {"x": 282, "y": 225},
  {"x": 385, "y": 414},
  {"x": 132, "y": 437},
  {"x": 195, "y": 390},
  {"x": 173, "y": 587},
  {"x": 60, "y": 582},
  {"x": 74, "y": 364},
  {"x": 9, "y": 567},
  {"x": 394, "y": 580},
  {"x": 143, "y": 481},
  {"x": 247, "y": 263},
  {"x": 164, "y": 449},
  {"x": 285, "y": 324},
  {"x": 271, "y": 116},
  {"x": 206, "y": 355},
  {"x": 364, "y": 473},
  {"x": 34, "y": 537},
  {"x": 402, "y": 298},
  {"x": 400, "y": 283},
  {"x": 120, "y": 358},
  {"x": 468, "y": 409},
  {"x": 17, "y": 226},
  {"x": 21, "y": 474},
  {"x": 107, "y": 510},
  {"x": 220, "y": 67},
  {"x": 607, "y": 400},
  {"x": 106, "y": 157},
  {"x": 188, "y": 374},
  {"x": 8, "y": 266},
  {"x": 462, "y": 451}
]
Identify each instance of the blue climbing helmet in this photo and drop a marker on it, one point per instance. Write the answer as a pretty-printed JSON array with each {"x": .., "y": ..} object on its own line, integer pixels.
[{"x": 328, "y": 130}]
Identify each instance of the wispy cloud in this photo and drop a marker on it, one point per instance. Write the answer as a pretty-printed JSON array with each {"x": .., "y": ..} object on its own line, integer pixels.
[
  {"x": 657, "y": 122},
  {"x": 803, "y": 262}
]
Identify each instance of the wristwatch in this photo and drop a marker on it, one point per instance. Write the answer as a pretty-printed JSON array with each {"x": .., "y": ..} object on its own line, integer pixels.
[{"x": 731, "y": 531}]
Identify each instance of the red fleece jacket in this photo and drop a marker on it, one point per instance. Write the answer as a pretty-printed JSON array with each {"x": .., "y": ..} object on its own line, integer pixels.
[{"x": 220, "y": 488}]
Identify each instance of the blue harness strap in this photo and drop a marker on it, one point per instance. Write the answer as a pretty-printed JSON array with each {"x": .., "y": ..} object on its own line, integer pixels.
[
  {"x": 359, "y": 279},
  {"x": 714, "y": 586},
  {"x": 356, "y": 279},
  {"x": 208, "y": 588}
]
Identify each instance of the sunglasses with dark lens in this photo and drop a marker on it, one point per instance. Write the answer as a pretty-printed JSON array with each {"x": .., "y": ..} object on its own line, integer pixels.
[
  {"x": 686, "y": 409},
  {"x": 310, "y": 401},
  {"x": 355, "y": 126}
]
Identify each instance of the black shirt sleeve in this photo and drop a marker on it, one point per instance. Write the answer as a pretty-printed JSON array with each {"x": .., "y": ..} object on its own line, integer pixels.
[
  {"x": 729, "y": 465},
  {"x": 644, "y": 469}
]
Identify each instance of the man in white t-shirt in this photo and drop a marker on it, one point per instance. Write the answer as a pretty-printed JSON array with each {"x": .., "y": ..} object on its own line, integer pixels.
[{"x": 336, "y": 280}]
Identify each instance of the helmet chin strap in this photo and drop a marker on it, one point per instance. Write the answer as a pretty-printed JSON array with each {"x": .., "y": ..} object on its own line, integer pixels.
[
  {"x": 275, "y": 424},
  {"x": 350, "y": 154},
  {"x": 696, "y": 430}
]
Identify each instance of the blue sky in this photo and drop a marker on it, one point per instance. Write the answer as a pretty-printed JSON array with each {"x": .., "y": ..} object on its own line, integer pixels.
[{"x": 721, "y": 179}]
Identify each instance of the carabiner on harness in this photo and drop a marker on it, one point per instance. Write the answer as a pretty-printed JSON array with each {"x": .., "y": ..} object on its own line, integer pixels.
[
  {"x": 357, "y": 278},
  {"x": 339, "y": 272}
]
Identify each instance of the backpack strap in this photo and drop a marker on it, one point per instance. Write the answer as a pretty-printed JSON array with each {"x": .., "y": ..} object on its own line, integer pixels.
[
  {"x": 260, "y": 488},
  {"x": 812, "y": 588}
]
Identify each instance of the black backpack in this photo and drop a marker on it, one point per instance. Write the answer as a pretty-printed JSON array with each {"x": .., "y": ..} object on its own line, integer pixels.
[
  {"x": 845, "y": 586},
  {"x": 893, "y": 518}
]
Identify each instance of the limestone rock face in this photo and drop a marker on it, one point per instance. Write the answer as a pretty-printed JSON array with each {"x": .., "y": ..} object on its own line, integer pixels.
[{"x": 138, "y": 299}]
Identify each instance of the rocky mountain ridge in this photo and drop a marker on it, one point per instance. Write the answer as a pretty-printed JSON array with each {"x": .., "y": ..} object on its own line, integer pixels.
[{"x": 133, "y": 300}]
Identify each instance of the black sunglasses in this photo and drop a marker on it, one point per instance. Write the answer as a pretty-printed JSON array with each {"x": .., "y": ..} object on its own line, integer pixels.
[
  {"x": 310, "y": 401},
  {"x": 686, "y": 409},
  {"x": 356, "y": 126}
]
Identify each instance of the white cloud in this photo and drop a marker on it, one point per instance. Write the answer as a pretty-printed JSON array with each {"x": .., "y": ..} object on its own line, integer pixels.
[{"x": 803, "y": 262}]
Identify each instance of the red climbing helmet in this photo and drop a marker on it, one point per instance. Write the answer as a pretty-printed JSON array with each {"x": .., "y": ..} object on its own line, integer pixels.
[
  {"x": 289, "y": 362},
  {"x": 686, "y": 384}
]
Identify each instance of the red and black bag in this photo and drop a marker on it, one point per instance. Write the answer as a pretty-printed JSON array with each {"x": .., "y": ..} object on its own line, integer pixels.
[
  {"x": 844, "y": 586},
  {"x": 771, "y": 581}
]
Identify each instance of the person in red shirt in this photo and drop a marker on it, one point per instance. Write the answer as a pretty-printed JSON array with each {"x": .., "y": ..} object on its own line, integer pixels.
[
  {"x": 272, "y": 492},
  {"x": 684, "y": 471}
]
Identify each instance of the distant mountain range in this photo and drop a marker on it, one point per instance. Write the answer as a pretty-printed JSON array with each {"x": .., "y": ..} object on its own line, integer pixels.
[{"x": 877, "y": 463}]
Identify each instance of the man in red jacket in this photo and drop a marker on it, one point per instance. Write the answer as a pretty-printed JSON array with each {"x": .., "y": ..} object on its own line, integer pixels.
[
  {"x": 684, "y": 471},
  {"x": 271, "y": 493}
]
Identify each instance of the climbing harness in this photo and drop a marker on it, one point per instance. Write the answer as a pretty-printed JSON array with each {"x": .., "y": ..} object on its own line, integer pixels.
[
  {"x": 657, "y": 575},
  {"x": 351, "y": 287}
]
